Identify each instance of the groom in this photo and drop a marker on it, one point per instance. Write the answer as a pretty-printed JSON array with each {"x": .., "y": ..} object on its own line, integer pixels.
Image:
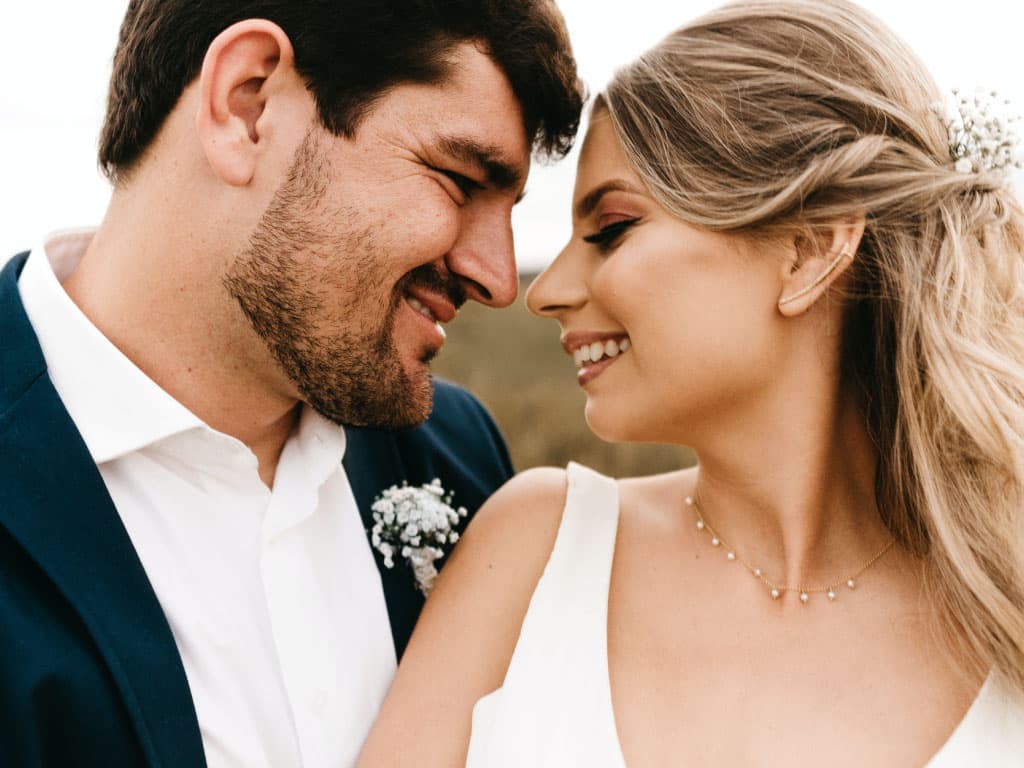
[{"x": 304, "y": 193}]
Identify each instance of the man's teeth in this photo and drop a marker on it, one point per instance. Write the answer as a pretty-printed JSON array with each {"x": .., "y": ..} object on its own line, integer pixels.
[
  {"x": 418, "y": 306},
  {"x": 598, "y": 350}
]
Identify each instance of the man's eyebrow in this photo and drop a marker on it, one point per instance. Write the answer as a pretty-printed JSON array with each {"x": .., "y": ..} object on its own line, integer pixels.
[
  {"x": 589, "y": 201},
  {"x": 500, "y": 173}
]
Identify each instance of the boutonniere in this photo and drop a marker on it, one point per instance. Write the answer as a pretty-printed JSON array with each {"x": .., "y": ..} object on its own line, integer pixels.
[{"x": 418, "y": 524}]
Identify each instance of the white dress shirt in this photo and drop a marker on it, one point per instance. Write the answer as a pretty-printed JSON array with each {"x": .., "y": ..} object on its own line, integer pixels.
[{"x": 273, "y": 597}]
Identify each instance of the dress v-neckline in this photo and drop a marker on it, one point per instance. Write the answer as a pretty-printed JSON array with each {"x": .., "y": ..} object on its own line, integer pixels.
[
  {"x": 555, "y": 706},
  {"x": 955, "y": 735}
]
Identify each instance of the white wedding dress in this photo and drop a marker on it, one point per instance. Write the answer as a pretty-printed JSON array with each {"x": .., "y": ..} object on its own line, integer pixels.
[{"x": 554, "y": 709}]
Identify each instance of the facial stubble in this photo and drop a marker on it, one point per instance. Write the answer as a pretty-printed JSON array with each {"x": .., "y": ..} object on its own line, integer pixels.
[{"x": 313, "y": 283}]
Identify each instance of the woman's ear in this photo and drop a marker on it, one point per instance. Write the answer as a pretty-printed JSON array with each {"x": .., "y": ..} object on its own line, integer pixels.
[
  {"x": 241, "y": 66},
  {"x": 816, "y": 264}
]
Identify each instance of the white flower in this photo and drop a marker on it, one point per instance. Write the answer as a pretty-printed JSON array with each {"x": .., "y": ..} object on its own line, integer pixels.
[
  {"x": 388, "y": 551},
  {"x": 412, "y": 521},
  {"x": 963, "y": 165},
  {"x": 981, "y": 140}
]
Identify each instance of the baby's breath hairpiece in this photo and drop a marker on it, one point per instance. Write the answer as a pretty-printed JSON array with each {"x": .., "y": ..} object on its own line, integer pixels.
[
  {"x": 981, "y": 133},
  {"x": 416, "y": 523}
]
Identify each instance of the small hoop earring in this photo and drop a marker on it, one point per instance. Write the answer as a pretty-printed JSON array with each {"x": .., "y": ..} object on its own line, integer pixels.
[{"x": 843, "y": 254}]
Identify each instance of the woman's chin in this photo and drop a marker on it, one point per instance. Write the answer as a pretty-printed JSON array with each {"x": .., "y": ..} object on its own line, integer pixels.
[
  {"x": 634, "y": 425},
  {"x": 611, "y": 425}
]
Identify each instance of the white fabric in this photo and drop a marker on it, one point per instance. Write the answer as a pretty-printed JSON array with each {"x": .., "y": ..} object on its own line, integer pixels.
[
  {"x": 554, "y": 708},
  {"x": 274, "y": 599}
]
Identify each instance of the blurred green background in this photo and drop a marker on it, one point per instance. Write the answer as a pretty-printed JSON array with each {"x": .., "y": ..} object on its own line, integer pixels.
[{"x": 513, "y": 362}]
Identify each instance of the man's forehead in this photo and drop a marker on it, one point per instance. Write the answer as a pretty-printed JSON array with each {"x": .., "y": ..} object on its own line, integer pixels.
[{"x": 475, "y": 105}]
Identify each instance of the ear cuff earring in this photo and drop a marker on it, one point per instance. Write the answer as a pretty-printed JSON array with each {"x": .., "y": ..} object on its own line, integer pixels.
[{"x": 843, "y": 254}]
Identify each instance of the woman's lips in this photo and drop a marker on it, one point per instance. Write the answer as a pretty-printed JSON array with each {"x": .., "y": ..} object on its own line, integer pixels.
[
  {"x": 591, "y": 371},
  {"x": 593, "y": 352}
]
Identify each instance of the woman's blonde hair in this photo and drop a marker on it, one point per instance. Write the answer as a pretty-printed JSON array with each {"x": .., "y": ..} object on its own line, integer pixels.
[{"x": 780, "y": 117}]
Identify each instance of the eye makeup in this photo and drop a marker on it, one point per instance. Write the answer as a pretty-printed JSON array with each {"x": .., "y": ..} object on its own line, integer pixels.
[{"x": 605, "y": 237}]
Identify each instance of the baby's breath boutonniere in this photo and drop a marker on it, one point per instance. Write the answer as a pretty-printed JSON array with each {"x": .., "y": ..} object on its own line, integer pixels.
[{"x": 417, "y": 524}]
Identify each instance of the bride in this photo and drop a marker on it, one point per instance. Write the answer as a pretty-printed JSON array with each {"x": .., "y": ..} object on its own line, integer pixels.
[{"x": 780, "y": 259}]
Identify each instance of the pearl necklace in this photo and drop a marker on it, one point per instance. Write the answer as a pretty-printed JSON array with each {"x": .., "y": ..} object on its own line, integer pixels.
[{"x": 775, "y": 590}]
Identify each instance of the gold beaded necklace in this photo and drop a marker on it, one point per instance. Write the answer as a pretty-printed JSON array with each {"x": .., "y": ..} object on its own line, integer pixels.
[{"x": 776, "y": 590}]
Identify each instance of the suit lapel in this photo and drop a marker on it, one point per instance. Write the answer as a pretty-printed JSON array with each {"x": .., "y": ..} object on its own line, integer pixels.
[
  {"x": 373, "y": 463},
  {"x": 54, "y": 503}
]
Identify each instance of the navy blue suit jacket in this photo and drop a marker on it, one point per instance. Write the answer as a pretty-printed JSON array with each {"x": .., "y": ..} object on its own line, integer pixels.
[{"x": 89, "y": 671}]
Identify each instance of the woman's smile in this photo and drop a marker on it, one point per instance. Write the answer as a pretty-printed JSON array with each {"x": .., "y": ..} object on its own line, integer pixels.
[{"x": 593, "y": 352}]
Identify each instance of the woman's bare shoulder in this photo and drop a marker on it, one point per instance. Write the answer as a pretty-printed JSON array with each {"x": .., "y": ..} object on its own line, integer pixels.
[
  {"x": 470, "y": 624},
  {"x": 499, "y": 560},
  {"x": 509, "y": 540},
  {"x": 527, "y": 511},
  {"x": 527, "y": 506}
]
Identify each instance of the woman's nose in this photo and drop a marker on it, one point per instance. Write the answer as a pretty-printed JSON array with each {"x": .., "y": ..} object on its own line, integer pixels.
[{"x": 560, "y": 287}]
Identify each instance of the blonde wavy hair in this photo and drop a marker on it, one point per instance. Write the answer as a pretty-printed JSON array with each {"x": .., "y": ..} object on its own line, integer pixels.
[{"x": 784, "y": 117}]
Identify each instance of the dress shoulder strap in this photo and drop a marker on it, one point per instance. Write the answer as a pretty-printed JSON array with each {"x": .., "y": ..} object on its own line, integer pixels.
[
  {"x": 581, "y": 559},
  {"x": 571, "y": 598},
  {"x": 555, "y": 699}
]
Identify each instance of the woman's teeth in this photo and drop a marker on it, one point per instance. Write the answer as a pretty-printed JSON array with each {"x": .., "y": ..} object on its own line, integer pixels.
[{"x": 598, "y": 350}]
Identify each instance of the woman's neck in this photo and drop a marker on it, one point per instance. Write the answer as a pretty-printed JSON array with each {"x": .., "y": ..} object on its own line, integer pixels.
[{"x": 794, "y": 492}]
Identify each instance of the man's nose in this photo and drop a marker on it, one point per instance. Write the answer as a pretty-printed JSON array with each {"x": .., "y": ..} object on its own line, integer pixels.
[{"x": 483, "y": 258}]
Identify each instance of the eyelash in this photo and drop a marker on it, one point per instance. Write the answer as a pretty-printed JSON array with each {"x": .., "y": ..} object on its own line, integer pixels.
[
  {"x": 465, "y": 184},
  {"x": 605, "y": 238}
]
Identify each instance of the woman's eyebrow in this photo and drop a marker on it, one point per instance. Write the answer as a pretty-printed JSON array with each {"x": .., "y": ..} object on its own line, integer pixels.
[{"x": 589, "y": 201}]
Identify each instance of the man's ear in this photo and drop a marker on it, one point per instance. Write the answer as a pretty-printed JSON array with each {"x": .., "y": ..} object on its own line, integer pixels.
[
  {"x": 816, "y": 264},
  {"x": 241, "y": 68}
]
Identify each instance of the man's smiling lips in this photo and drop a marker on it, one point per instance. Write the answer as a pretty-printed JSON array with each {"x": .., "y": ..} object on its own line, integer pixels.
[
  {"x": 429, "y": 304},
  {"x": 435, "y": 309},
  {"x": 594, "y": 351}
]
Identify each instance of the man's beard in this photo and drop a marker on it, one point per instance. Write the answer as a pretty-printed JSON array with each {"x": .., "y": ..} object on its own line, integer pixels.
[{"x": 316, "y": 294}]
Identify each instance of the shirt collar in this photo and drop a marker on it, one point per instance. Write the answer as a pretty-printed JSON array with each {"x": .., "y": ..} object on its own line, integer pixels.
[
  {"x": 321, "y": 443},
  {"x": 311, "y": 457},
  {"x": 116, "y": 407}
]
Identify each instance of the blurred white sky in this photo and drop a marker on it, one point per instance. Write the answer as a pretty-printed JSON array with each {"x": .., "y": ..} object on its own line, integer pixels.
[{"x": 55, "y": 62}]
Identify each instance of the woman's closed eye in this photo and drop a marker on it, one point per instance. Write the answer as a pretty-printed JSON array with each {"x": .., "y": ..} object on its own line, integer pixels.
[{"x": 606, "y": 237}]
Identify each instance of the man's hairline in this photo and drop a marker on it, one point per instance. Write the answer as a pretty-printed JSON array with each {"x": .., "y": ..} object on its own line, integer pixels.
[{"x": 120, "y": 176}]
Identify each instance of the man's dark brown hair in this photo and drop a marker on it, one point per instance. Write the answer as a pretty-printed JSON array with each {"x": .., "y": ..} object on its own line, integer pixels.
[{"x": 350, "y": 52}]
